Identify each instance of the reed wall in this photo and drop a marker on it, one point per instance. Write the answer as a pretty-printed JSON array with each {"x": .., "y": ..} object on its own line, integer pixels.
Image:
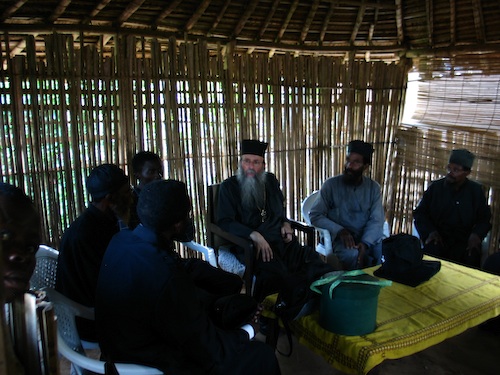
[{"x": 63, "y": 115}]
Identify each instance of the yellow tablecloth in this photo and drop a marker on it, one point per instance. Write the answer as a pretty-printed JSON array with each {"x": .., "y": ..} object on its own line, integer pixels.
[{"x": 409, "y": 319}]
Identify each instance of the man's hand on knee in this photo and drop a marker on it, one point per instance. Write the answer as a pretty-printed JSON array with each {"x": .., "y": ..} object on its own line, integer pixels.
[
  {"x": 474, "y": 243},
  {"x": 262, "y": 246},
  {"x": 435, "y": 238},
  {"x": 347, "y": 239}
]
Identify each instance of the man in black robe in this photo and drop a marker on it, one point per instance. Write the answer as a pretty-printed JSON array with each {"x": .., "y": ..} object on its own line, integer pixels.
[
  {"x": 453, "y": 216},
  {"x": 251, "y": 205},
  {"x": 83, "y": 244},
  {"x": 153, "y": 308}
]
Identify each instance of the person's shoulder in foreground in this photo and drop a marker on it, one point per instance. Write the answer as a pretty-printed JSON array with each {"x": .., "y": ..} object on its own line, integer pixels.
[
  {"x": 20, "y": 239},
  {"x": 20, "y": 236}
]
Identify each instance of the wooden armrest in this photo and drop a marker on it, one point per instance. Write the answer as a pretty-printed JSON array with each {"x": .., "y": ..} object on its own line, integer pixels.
[
  {"x": 239, "y": 241},
  {"x": 308, "y": 230},
  {"x": 245, "y": 244}
]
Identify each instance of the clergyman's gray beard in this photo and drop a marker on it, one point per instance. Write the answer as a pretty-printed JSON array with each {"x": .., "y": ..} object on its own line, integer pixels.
[{"x": 252, "y": 189}]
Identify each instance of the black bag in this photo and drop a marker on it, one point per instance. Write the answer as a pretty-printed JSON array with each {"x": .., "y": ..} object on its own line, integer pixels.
[
  {"x": 295, "y": 300},
  {"x": 233, "y": 311}
]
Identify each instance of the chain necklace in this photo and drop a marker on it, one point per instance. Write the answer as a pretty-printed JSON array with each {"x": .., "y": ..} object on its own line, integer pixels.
[{"x": 263, "y": 212}]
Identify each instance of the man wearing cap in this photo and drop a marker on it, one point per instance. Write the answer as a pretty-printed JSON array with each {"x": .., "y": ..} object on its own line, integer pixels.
[
  {"x": 453, "y": 216},
  {"x": 147, "y": 167},
  {"x": 251, "y": 205},
  {"x": 83, "y": 244},
  {"x": 350, "y": 207},
  {"x": 152, "y": 307}
]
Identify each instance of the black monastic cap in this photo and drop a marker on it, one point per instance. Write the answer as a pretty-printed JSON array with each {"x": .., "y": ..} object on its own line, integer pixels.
[
  {"x": 363, "y": 148},
  {"x": 253, "y": 147},
  {"x": 462, "y": 157}
]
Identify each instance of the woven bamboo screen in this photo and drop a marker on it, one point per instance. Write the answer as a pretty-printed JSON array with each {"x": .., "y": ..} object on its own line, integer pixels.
[
  {"x": 63, "y": 116},
  {"x": 457, "y": 107}
]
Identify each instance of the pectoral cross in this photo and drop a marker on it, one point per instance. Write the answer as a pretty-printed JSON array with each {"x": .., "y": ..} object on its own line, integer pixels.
[{"x": 263, "y": 214}]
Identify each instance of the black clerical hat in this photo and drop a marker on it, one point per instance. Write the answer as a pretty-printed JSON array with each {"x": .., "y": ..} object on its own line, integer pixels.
[
  {"x": 462, "y": 157},
  {"x": 363, "y": 148},
  {"x": 404, "y": 261},
  {"x": 253, "y": 147}
]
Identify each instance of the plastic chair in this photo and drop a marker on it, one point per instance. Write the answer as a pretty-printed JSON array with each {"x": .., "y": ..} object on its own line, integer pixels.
[
  {"x": 45, "y": 269},
  {"x": 325, "y": 239},
  {"x": 70, "y": 346},
  {"x": 207, "y": 251}
]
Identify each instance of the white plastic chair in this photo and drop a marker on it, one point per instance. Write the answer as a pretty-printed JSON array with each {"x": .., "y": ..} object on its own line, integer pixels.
[
  {"x": 207, "y": 251},
  {"x": 325, "y": 245},
  {"x": 45, "y": 271},
  {"x": 70, "y": 346}
]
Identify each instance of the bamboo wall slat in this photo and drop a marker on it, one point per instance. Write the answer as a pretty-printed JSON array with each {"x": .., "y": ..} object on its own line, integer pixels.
[{"x": 62, "y": 116}]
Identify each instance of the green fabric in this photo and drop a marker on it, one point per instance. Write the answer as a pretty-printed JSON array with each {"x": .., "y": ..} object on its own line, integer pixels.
[{"x": 337, "y": 277}]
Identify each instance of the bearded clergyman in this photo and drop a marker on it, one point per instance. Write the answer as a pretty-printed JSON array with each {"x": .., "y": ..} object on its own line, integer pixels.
[
  {"x": 350, "y": 207},
  {"x": 251, "y": 205}
]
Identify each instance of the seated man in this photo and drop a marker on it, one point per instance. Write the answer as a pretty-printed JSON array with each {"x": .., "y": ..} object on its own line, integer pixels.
[
  {"x": 147, "y": 167},
  {"x": 153, "y": 307},
  {"x": 20, "y": 237},
  {"x": 350, "y": 207},
  {"x": 83, "y": 244},
  {"x": 453, "y": 217},
  {"x": 250, "y": 205}
]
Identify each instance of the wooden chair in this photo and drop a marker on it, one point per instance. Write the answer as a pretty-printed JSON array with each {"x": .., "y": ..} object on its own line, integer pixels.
[{"x": 216, "y": 237}]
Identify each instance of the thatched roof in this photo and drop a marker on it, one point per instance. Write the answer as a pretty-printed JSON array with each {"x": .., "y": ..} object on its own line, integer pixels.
[{"x": 372, "y": 29}]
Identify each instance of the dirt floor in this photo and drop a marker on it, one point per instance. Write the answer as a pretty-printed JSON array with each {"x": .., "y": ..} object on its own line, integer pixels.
[{"x": 474, "y": 352}]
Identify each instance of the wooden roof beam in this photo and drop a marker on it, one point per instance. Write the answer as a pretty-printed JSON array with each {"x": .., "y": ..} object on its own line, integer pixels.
[
  {"x": 453, "y": 22},
  {"x": 371, "y": 30},
  {"x": 478, "y": 20},
  {"x": 60, "y": 8},
  {"x": 196, "y": 15},
  {"x": 326, "y": 22},
  {"x": 310, "y": 17},
  {"x": 102, "y": 4},
  {"x": 270, "y": 15},
  {"x": 219, "y": 16},
  {"x": 399, "y": 21},
  {"x": 429, "y": 11},
  {"x": 18, "y": 48},
  {"x": 287, "y": 20},
  {"x": 246, "y": 15},
  {"x": 12, "y": 9},
  {"x": 129, "y": 10},
  {"x": 359, "y": 21},
  {"x": 165, "y": 13}
]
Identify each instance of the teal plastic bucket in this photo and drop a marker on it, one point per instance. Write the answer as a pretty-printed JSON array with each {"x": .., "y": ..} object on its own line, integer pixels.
[{"x": 351, "y": 310}]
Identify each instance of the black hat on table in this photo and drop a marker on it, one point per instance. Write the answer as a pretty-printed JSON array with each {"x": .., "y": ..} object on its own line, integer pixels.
[
  {"x": 365, "y": 149},
  {"x": 404, "y": 261},
  {"x": 462, "y": 157},
  {"x": 105, "y": 179},
  {"x": 253, "y": 147}
]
